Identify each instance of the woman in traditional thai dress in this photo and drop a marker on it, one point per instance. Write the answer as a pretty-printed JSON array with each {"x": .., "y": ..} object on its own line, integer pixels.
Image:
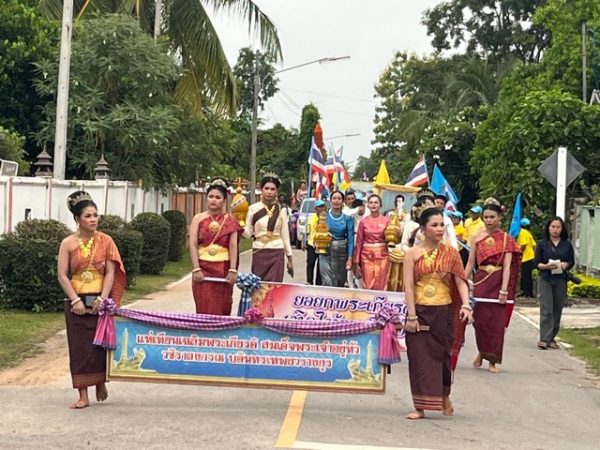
[
  {"x": 334, "y": 264},
  {"x": 498, "y": 258},
  {"x": 371, "y": 257},
  {"x": 437, "y": 295},
  {"x": 89, "y": 270},
  {"x": 214, "y": 253}
]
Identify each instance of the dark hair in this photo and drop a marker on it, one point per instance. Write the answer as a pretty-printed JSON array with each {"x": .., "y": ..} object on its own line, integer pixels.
[
  {"x": 564, "y": 234},
  {"x": 441, "y": 197},
  {"x": 270, "y": 179},
  {"x": 374, "y": 195},
  {"x": 219, "y": 188},
  {"x": 397, "y": 197},
  {"x": 350, "y": 191},
  {"x": 337, "y": 192},
  {"x": 357, "y": 202},
  {"x": 78, "y": 201},
  {"x": 428, "y": 213},
  {"x": 495, "y": 205}
]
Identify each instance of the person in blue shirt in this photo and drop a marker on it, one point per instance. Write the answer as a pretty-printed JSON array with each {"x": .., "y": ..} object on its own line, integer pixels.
[{"x": 338, "y": 259}]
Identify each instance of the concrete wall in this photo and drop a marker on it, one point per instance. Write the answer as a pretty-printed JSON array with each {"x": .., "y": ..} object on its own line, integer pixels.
[
  {"x": 40, "y": 198},
  {"x": 587, "y": 238}
]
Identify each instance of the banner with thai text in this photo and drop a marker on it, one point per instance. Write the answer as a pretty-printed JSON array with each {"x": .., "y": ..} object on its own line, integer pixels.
[
  {"x": 306, "y": 302},
  {"x": 249, "y": 356}
]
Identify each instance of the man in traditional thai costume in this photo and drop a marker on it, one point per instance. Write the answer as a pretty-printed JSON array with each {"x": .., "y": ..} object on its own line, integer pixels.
[
  {"x": 89, "y": 270},
  {"x": 371, "y": 257},
  {"x": 213, "y": 243},
  {"x": 267, "y": 224},
  {"x": 437, "y": 296},
  {"x": 337, "y": 260},
  {"x": 498, "y": 259}
]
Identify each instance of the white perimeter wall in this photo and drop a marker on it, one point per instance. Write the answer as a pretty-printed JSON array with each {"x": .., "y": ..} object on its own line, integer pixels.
[{"x": 42, "y": 198}]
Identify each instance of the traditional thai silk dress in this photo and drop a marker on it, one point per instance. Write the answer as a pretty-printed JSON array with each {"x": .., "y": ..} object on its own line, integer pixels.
[
  {"x": 268, "y": 226},
  {"x": 332, "y": 264},
  {"x": 432, "y": 355},
  {"x": 491, "y": 319},
  {"x": 371, "y": 252},
  {"x": 86, "y": 360},
  {"x": 213, "y": 257}
]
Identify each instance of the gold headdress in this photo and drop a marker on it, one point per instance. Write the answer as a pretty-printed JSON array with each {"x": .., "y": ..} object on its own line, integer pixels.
[
  {"x": 72, "y": 201},
  {"x": 427, "y": 204},
  {"x": 492, "y": 201},
  {"x": 271, "y": 177},
  {"x": 217, "y": 182}
]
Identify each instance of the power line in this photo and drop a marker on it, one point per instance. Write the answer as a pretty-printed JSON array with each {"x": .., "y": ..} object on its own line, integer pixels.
[{"x": 321, "y": 94}]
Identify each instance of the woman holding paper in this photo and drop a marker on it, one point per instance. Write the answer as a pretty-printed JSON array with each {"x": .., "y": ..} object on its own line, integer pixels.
[
  {"x": 554, "y": 256},
  {"x": 214, "y": 253},
  {"x": 437, "y": 295},
  {"x": 498, "y": 258}
]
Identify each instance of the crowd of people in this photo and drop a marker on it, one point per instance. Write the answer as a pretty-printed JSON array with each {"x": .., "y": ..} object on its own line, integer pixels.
[{"x": 447, "y": 262}]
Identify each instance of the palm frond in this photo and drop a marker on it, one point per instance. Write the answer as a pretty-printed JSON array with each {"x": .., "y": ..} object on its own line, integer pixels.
[
  {"x": 258, "y": 22},
  {"x": 208, "y": 72}
]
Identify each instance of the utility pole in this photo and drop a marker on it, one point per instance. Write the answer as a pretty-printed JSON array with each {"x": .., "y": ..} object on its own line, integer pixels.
[
  {"x": 253, "y": 144},
  {"x": 583, "y": 63},
  {"x": 62, "y": 94},
  {"x": 157, "y": 18}
]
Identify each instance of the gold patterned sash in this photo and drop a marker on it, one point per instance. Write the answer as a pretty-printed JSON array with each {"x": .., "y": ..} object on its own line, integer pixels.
[{"x": 87, "y": 281}]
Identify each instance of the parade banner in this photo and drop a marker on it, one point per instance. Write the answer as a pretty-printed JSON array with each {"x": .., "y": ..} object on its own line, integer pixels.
[
  {"x": 301, "y": 302},
  {"x": 247, "y": 356}
]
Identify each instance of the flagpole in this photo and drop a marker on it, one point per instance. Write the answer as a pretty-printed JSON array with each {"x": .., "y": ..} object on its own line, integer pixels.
[{"x": 309, "y": 188}]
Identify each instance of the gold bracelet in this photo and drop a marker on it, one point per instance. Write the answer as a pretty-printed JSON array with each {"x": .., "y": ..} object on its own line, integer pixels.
[
  {"x": 503, "y": 292},
  {"x": 197, "y": 269},
  {"x": 412, "y": 317},
  {"x": 75, "y": 301},
  {"x": 467, "y": 307},
  {"x": 232, "y": 271}
]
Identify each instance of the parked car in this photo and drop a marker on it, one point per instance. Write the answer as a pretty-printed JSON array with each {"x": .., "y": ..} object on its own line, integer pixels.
[{"x": 307, "y": 208}]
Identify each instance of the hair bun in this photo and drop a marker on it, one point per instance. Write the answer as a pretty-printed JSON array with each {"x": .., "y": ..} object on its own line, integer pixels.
[{"x": 77, "y": 197}]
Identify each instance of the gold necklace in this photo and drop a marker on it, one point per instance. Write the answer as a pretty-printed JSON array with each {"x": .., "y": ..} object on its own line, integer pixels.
[
  {"x": 86, "y": 248},
  {"x": 214, "y": 226},
  {"x": 270, "y": 210},
  {"x": 429, "y": 257}
]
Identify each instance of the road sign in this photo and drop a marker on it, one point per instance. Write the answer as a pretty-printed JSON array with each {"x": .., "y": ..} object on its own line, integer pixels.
[{"x": 549, "y": 168}]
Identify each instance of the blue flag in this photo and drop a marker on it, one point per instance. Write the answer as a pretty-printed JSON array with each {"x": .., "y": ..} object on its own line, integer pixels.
[
  {"x": 515, "y": 224},
  {"x": 440, "y": 186}
]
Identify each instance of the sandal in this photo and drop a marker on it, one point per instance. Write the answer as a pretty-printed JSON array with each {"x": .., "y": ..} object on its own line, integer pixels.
[
  {"x": 542, "y": 345},
  {"x": 554, "y": 345}
]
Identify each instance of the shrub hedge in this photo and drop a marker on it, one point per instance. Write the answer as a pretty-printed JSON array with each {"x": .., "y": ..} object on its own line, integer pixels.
[
  {"x": 589, "y": 288},
  {"x": 130, "y": 244},
  {"x": 178, "y": 239},
  {"x": 47, "y": 230},
  {"x": 28, "y": 274},
  {"x": 109, "y": 223},
  {"x": 156, "y": 231}
]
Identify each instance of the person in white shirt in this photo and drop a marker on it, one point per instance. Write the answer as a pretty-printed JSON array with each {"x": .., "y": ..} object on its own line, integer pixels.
[
  {"x": 449, "y": 233},
  {"x": 267, "y": 224}
]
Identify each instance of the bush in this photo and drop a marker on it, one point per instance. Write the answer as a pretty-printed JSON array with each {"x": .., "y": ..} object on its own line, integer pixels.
[
  {"x": 178, "y": 224},
  {"x": 589, "y": 288},
  {"x": 109, "y": 223},
  {"x": 28, "y": 274},
  {"x": 47, "y": 230},
  {"x": 156, "y": 232},
  {"x": 130, "y": 244}
]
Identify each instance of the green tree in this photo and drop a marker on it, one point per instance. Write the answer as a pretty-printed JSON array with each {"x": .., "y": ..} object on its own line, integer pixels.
[
  {"x": 120, "y": 101},
  {"x": 12, "y": 149},
  {"x": 278, "y": 151},
  {"x": 364, "y": 165},
  {"x": 497, "y": 30},
  {"x": 206, "y": 78},
  {"x": 310, "y": 117},
  {"x": 25, "y": 38},
  {"x": 244, "y": 71}
]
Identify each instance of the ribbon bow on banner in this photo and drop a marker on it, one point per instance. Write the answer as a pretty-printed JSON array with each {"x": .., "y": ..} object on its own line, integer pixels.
[
  {"x": 389, "y": 347},
  {"x": 105, "y": 330},
  {"x": 248, "y": 284}
]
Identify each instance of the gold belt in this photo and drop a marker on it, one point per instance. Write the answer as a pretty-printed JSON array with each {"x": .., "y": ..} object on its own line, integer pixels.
[
  {"x": 375, "y": 244},
  {"x": 213, "y": 252},
  {"x": 87, "y": 281},
  {"x": 266, "y": 238},
  {"x": 490, "y": 268}
]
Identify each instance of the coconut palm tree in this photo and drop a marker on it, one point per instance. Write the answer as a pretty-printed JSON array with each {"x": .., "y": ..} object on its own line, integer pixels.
[{"x": 207, "y": 78}]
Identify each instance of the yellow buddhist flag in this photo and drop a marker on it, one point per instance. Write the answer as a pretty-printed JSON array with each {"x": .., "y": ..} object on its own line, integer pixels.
[{"x": 383, "y": 177}]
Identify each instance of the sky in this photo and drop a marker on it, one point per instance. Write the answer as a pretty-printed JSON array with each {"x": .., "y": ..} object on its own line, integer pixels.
[{"x": 370, "y": 32}]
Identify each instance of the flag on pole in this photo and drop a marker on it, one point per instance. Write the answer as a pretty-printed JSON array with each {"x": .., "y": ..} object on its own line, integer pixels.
[
  {"x": 440, "y": 186},
  {"x": 419, "y": 175},
  {"x": 318, "y": 170},
  {"x": 515, "y": 224}
]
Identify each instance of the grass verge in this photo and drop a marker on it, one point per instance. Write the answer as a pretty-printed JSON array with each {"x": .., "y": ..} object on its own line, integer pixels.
[{"x": 586, "y": 345}]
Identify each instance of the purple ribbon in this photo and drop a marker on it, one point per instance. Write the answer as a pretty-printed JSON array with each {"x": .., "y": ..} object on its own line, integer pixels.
[{"x": 254, "y": 316}]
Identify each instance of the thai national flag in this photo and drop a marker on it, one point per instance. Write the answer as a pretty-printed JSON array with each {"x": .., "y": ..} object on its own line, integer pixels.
[
  {"x": 319, "y": 171},
  {"x": 419, "y": 175}
]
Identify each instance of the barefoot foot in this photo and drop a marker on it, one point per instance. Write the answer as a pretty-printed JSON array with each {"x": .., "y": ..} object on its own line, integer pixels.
[
  {"x": 416, "y": 415},
  {"x": 448, "y": 407},
  {"x": 493, "y": 369},
  {"x": 101, "y": 392},
  {"x": 79, "y": 404},
  {"x": 477, "y": 362}
]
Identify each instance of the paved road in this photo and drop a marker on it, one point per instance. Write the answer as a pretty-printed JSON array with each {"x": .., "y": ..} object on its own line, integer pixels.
[{"x": 541, "y": 400}]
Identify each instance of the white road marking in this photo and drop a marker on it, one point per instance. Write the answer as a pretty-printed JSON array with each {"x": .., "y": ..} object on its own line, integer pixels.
[{"x": 327, "y": 446}]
